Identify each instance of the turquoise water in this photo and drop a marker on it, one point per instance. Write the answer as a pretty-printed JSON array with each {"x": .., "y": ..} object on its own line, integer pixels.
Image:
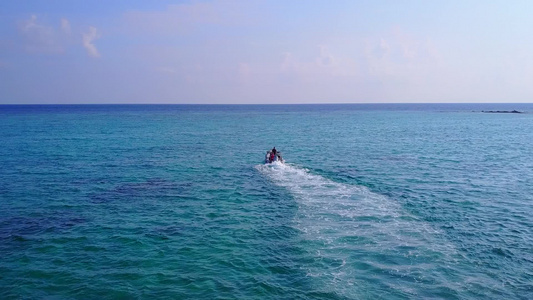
[{"x": 173, "y": 202}]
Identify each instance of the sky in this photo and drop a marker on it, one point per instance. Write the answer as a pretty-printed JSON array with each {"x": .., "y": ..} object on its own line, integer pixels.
[{"x": 277, "y": 51}]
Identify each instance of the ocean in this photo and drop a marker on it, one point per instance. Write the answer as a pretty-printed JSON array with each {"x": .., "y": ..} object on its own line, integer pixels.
[{"x": 374, "y": 201}]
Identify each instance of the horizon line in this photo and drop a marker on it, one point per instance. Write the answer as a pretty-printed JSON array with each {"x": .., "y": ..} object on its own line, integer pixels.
[{"x": 336, "y": 103}]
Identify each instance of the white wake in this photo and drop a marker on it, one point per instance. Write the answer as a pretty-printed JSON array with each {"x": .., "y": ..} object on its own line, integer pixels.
[{"x": 344, "y": 226}]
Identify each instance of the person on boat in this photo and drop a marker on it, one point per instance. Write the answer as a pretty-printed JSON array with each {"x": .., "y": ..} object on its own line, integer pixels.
[
  {"x": 274, "y": 151},
  {"x": 267, "y": 156},
  {"x": 272, "y": 156}
]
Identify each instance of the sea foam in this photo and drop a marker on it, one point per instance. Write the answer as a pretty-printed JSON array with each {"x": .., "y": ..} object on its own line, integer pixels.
[{"x": 348, "y": 230}]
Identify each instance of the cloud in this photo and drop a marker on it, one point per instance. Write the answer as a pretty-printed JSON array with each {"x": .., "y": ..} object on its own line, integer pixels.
[
  {"x": 381, "y": 49},
  {"x": 287, "y": 63},
  {"x": 325, "y": 59},
  {"x": 184, "y": 17},
  {"x": 88, "y": 39},
  {"x": 401, "y": 55},
  {"x": 65, "y": 26},
  {"x": 323, "y": 65},
  {"x": 40, "y": 38}
]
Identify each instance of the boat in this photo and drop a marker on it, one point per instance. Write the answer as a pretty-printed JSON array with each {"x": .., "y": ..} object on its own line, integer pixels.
[{"x": 271, "y": 157}]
